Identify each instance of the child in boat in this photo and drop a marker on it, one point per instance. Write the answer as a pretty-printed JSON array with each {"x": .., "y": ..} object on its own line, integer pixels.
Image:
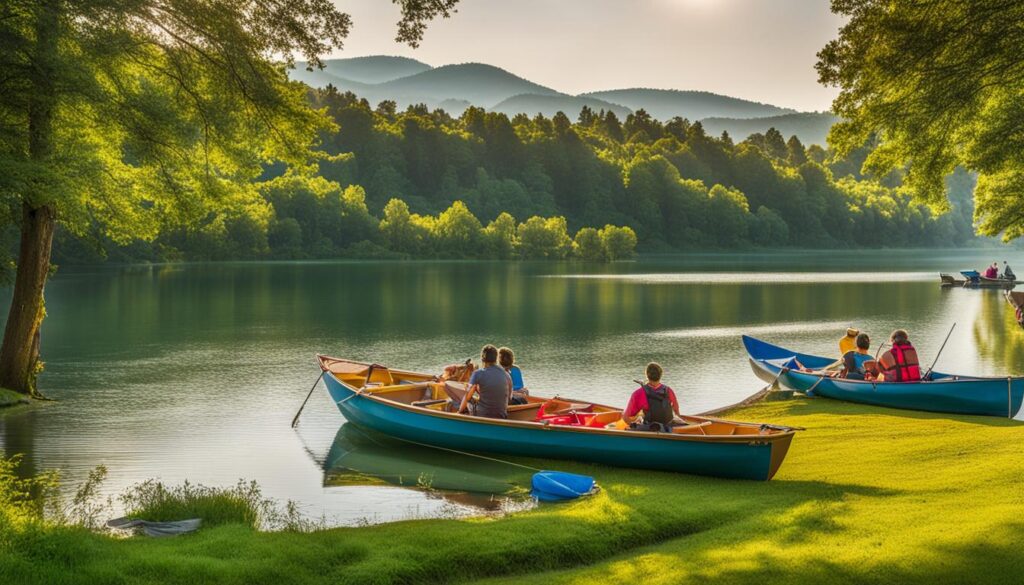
[
  {"x": 655, "y": 400},
  {"x": 848, "y": 342},
  {"x": 507, "y": 360},
  {"x": 858, "y": 363}
]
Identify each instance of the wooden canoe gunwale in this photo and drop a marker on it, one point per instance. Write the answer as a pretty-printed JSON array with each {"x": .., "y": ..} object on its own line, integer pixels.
[
  {"x": 775, "y": 434},
  {"x": 997, "y": 396}
]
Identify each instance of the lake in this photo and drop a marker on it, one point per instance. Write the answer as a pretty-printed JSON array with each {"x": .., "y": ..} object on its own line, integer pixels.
[{"x": 194, "y": 371}]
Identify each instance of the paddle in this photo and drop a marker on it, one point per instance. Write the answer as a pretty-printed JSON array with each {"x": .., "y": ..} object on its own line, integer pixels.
[
  {"x": 295, "y": 420},
  {"x": 930, "y": 368}
]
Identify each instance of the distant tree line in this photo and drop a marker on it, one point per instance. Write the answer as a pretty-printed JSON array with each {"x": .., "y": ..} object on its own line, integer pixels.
[{"x": 424, "y": 184}]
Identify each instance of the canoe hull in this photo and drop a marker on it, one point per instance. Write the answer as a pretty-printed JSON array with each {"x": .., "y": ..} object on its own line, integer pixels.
[
  {"x": 1003, "y": 397},
  {"x": 750, "y": 457}
]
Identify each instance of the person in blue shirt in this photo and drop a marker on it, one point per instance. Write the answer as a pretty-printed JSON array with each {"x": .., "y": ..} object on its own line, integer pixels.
[
  {"x": 858, "y": 363},
  {"x": 507, "y": 360}
]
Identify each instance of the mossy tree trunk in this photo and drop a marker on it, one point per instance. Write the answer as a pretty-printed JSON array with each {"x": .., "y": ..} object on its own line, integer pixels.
[{"x": 19, "y": 354}]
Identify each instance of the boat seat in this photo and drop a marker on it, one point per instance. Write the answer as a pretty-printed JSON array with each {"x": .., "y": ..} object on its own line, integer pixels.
[
  {"x": 427, "y": 403},
  {"x": 518, "y": 407},
  {"x": 456, "y": 391}
]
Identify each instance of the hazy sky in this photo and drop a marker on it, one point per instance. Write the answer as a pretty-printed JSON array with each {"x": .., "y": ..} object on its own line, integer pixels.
[{"x": 762, "y": 50}]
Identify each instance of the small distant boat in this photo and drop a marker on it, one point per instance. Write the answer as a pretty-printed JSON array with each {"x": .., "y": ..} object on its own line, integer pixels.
[
  {"x": 950, "y": 280},
  {"x": 1003, "y": 397},
  {"x": 417, "y": 407},
  {"x": 976, "y": 279}
]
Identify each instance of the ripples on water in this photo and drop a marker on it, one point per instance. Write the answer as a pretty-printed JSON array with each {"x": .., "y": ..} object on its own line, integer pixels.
[{"x": 194, "y": 372}]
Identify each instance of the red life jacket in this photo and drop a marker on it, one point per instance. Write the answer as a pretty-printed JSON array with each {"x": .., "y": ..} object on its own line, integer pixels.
[{"x": 906, "y": 368}]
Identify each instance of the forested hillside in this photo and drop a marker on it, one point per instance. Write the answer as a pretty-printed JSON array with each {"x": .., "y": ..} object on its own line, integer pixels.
[{"x": 675, "y": 186}]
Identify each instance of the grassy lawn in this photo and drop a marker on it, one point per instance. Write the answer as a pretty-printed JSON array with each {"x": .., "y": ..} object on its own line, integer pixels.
[{"x": 866, "y": 495}]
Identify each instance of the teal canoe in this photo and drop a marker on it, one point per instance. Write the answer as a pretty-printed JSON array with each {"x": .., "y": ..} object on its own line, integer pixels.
[
  {"x": 417, "y": 408},
  {"x": 949, "y": 393}
]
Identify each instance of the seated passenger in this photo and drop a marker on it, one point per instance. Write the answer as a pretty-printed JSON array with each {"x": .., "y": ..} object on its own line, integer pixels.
[
  {"x": 656, "y": 401},
  {"x": 992, "y": 271},
  {"x": 1008, "y": 272},
  {"x": 492, "y": 384},
  {"x": 507, "y": 359},
  {"x": 858, "y": 363},
  {"x": 849, "y": 342},
  {"x": 900, "y": 363}
]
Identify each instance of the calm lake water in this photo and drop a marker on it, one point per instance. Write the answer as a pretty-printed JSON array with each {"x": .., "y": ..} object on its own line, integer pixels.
[{"x": 194, "y": 372}]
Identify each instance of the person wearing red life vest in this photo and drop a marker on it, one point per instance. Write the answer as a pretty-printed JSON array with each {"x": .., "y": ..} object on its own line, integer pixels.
[{"x": 900, "y": 363}]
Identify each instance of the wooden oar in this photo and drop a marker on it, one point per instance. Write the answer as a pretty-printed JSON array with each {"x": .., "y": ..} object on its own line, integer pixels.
[
  {"x": 929, "y": 372},
  {"x": 295, "y": 420}
]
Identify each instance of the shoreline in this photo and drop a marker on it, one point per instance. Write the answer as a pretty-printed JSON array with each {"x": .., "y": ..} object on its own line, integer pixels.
[{"x": 866, "y": 494}]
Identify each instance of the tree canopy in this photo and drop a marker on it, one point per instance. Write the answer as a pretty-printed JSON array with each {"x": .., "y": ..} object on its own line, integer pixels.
[
  {"x": 933, "y": 85},
  {"x": 135, "y": 116}
]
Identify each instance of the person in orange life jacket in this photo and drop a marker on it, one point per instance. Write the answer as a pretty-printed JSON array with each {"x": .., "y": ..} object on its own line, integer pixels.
[
  {"x": 656, "y": 401},
  {"x": 900, "y": 363}
]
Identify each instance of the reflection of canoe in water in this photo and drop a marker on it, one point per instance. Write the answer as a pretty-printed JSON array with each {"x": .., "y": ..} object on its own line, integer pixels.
[
  {"x": 943, "y": 393},
  {"x": 365, "y": 452},
  {"x": 412, "y": 406}
]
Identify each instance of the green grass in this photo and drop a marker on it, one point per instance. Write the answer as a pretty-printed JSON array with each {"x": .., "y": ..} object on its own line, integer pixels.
[
  {"x": 866, "y": 496},
  {"x": 12, "y": 398}
]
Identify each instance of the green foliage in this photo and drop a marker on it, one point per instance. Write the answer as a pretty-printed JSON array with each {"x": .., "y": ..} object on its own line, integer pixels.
[
  {"x": 457, "y": 232},
  {"x": 933, "y": 83},
  {"x": 589, "y": 246},
  {"x": 389, "y": 178},
  {"x": 541, "y": 238},
  {"x": 618, "y": 243},
  {"x": 499, "y": 237},
  {"x": 242, "y": 504},
  {"x": 730, "y": 209}
]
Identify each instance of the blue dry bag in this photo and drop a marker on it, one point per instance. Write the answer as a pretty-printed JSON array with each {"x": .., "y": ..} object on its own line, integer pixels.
[{"x": 556, "y": 486}]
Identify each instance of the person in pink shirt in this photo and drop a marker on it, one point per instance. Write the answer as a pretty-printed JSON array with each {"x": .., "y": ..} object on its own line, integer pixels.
[{"x": 656, "y": 401}]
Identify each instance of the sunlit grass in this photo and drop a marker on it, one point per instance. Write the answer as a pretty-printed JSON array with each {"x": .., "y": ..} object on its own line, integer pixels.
[{"x": 866, "y": 495}]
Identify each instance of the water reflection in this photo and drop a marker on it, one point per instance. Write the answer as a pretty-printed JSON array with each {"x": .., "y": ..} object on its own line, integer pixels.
[
  {"x": 184, "y": 372},
  {"x": 364, "y": 457},
  {"x": 996, "y": 333}
]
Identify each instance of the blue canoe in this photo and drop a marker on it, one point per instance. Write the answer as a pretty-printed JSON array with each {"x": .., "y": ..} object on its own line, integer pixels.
[
  {"x": 416, "y": 407},
  {"x": 1001, "y": 397}
]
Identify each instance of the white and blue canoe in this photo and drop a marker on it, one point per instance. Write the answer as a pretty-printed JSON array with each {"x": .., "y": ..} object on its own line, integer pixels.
[{"x": 987, "y": 396}]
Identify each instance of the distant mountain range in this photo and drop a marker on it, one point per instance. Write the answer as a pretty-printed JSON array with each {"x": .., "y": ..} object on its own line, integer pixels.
[
  {"x": 455, "y": 87},
  {"x": 693, "y": 105},
  {"x": 810, "y": 127}
]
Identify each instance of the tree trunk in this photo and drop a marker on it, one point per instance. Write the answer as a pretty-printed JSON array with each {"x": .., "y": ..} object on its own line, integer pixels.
[{"x": 19, "y": 354}]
